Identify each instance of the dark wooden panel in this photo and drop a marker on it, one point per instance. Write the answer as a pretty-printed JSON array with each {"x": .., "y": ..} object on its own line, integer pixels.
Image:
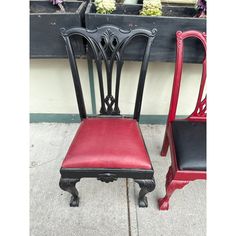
[
  {"x": 45, "y": 23},
  {"x": 177, "y": 18}
]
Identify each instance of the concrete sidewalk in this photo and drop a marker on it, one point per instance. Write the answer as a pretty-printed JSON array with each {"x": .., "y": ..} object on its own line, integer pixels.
[{"x": 106, "y": 209}]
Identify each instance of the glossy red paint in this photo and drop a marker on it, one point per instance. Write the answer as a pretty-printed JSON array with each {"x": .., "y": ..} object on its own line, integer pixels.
[
  {"x": 171, "y": 186},
  {"x": 176, "y": 178}
]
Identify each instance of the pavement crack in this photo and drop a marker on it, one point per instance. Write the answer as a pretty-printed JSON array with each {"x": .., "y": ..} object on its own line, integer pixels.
[
  {"x": 136, "y": 211},
  {"x": 34, "y": 164},
  {"x": 128, "y": 206}
]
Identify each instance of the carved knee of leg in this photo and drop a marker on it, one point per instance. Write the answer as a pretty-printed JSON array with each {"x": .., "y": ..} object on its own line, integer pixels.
[
  {"x": 170, "y": 188},
  {"x": 69, "y": 186}
]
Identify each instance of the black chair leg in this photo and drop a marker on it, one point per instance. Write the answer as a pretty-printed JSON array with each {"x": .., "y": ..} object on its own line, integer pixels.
[
  {"x": 69, "y": 186},
  {"x": 146, "y": 185}
]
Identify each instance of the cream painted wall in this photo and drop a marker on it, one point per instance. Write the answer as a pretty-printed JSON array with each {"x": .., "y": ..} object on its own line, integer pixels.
[{"x": 51, "y": 87}]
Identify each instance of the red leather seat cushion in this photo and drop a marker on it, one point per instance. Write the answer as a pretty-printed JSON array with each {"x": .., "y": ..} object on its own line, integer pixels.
[{"x": 108, "y": 143}]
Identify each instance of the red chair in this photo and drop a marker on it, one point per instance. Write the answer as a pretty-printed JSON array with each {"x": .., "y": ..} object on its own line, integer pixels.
[
  {"x": 108, "y": 146},
  {"x": 186, "y": 137}
]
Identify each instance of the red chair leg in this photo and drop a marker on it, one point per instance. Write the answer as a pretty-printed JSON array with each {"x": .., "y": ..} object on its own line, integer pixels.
[
  {"x": 165, "y": 146},
  {"x": 171, "y": 186}
]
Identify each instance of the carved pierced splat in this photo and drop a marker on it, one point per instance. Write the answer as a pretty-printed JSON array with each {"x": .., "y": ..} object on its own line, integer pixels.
[
  {"x": 109, "y": 102},
  {"x": 201, "y": 109},
  {"x": 106, "y": 45},
  {"x": 109, "y": 40}
]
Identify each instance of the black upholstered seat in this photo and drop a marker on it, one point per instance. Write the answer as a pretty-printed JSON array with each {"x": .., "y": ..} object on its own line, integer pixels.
[{"x": 190, "y": 144}]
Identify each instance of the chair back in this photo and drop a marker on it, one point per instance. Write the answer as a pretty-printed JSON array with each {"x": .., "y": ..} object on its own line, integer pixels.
[
  {"x": 199, "y": 113},
  {"x": 107, "y": 44}
]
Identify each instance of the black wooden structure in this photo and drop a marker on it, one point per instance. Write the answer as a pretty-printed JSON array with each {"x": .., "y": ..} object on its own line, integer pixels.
[
  {"x": 107, "y": 44},
  {"x": 45, "y": 23},
  {"x": 174, "y": 18}
]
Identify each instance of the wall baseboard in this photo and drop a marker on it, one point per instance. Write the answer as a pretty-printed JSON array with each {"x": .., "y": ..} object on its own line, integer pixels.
[{"x": 74, "y": 118}]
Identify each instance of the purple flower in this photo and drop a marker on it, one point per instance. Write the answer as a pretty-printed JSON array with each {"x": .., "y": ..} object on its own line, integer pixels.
[
  {"x": 201, "y": 8},
  {"x": 56, "y": 2},
  {"x": 202, "y": 5}
]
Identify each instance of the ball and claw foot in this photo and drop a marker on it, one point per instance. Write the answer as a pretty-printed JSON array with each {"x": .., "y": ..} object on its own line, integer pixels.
[
  {"x": 69, "y": 186},
  {"x": 143, "y": 202},
  {"x": 74, "y": 201},
  {"x": 171, "y": 185},
  {"x": 163, "y": 204},
  {"x": 146, "y": 185}
]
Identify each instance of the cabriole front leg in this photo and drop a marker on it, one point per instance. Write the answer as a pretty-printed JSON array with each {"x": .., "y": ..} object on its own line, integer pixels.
[
  {"x": 69, "y": 186},
  {"x": 171, "y": 185},
  {"x": 146, "y": 185}
]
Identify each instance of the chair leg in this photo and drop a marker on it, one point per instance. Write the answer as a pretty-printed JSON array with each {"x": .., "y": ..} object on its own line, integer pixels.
[
  {"x": 69, "y": 186},
  {"x": 146, "y": 185},
  {"x": 171, "y": 186},
  {"x": 165, "y": 145}
]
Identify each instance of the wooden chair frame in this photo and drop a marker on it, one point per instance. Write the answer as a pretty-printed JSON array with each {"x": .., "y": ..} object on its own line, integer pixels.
[
  {"x": 100, "y": 41},
  {"x": 176, "y": 178}
]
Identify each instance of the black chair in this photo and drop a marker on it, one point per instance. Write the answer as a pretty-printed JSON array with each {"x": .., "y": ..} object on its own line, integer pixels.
[{"x": 108, "y": 146}]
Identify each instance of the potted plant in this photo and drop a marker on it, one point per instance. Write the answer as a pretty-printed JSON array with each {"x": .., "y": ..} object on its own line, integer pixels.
[
  {"x": 151, "y": 8},
  {"x": 46, "y": 19},
  {"x": 105, "y": 6},
  {"x": 168, "y": 20}
]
